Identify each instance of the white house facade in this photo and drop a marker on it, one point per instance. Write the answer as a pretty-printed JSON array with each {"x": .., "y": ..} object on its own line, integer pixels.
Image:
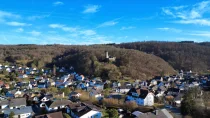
[{"x": 141, "y": 97}]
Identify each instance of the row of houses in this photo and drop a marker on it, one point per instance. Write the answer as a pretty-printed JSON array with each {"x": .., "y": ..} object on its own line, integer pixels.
[{"x": 19, "y": 107}]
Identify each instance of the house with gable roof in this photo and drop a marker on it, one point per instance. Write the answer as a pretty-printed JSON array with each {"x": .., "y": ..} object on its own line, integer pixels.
[
  {"x": 140, "y": 96},
  {"x": 23, "y": 112},
  {"x": 83, "y": 110}
]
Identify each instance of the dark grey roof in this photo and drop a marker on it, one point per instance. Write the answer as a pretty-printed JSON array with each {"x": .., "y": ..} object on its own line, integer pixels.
[
  {"x": 17, "y": 102},
  {"x": 173, "y": 89},
  {"x": 73, "y": 93},
  {"x": 179, "y": 97},
  {"x": 79, "y": 109},
  {"x": 95, "y": 91},
  {"x": 51, "y": 115},
  {"x": 49, "y": 96},
  {"x": 60, "y": 103},
  {"x": 125, "y": 87},
  {"x": 143, "y": 93},
  {"x": 4, "y": 102},
  {"x": 163, "y": 113},
  {"x": 162, "y": 88},
  {"x": 90, "y": 105},
  {"x": 155, "y": 87},
  {"x": 19, "y": 111}
]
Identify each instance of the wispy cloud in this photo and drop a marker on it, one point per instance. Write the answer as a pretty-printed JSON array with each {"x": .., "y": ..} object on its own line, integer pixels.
[
  {"x": 191, "y": 14},
  {"x": 91, "y": 9},
  {"x": 201, "y": 33},
  {"x": 35, "y": 33},
  {"x": 127, "y": 28},
  {"x": 63, "y": 27},
  {"x": 5, "y": 15},
  {"x": 109, "y": 23},
  {"x": 204, "y": 22},
  {"x": 86, "y": 36},
  {"x": 14, "y": 23},
  {"x": 88, "y": 32},
  {"x": 179, "y": 7},
  {"x": 58, "y": 3},
  {"x": 169, "y": 29},
  {"x": 37, "y": 17},
  {"x": 19, "y": 30}
]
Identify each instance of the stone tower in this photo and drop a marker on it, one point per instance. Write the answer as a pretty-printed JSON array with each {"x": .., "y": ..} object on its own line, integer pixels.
[{"x": 107, "y": 54}]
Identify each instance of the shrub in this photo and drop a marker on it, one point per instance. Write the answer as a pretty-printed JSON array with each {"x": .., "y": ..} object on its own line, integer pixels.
[
  {"x": 130, "y": 106},
  {"x": 112, "y": 102},
  {"x": 11, "y": 115},
  {"x": 65, "y": 115},
  {"x": 110, "y": 113}
]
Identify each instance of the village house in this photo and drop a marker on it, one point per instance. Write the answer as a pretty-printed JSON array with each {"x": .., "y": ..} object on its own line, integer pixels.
[
  {"x": 82, "y": 86},
  {"x": 161, "y": 91},
  {"x": 162, "y": 113},
  {"x": 14, "y": 93},
  {"x": 35, "y": 99},
  {"x": 74, "y": 96},
  {"x": 13, "y": 103},
  {"x": 173, "y": 91},
  {"x": 96, "y": 82},
  {"x": 123, "y": 89},
  {"x": 17, "y": 103},
  {"x": 23, "y": 112},
  {"x": 45, "y": 98},
  {"x": 3, "y": 97},
  {"x": 8, "y": 69},
  {"x": 95, "y": 93},
  {"x": 63, "y": 85},
  {"x": 178, "y": 99},
  {"x": 83, "y": 110},
  {"x": 4, "y": 104},
  {"x": 140, "y": 96},
  {"x": 42, "y": 84},
  {"x": 23, "y": 76},
  {"x": 153, "y": 82},
  {"x": 79, "y": 77},
  {"x": 62, "y": 70},
  {"x": 59, "y": 104}
]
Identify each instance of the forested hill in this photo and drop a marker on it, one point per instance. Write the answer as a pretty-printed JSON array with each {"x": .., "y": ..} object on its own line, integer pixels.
[
  {"x": 186, "y": 56},
  {"x": 89, "y": 60}
]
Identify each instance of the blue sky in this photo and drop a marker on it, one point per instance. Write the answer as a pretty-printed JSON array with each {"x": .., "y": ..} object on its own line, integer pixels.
[{"x": 103, "y": 21}]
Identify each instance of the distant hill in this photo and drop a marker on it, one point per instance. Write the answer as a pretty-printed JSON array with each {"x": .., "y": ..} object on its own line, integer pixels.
[
  {"x": 89, "y": 60},
  {"x": 181, "y": 55}
]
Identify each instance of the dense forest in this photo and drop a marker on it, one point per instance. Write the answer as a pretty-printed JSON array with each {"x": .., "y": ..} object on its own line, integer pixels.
[
  {"x": 181, "y": 55},
  {"x": 89, "y": 60},
  {"x": 138, "y": 60}
]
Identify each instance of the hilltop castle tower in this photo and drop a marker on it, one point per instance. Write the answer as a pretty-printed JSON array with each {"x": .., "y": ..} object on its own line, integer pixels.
[
  {"x": 109, "y": 58},
  {"x": 107, "y": 54}
]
